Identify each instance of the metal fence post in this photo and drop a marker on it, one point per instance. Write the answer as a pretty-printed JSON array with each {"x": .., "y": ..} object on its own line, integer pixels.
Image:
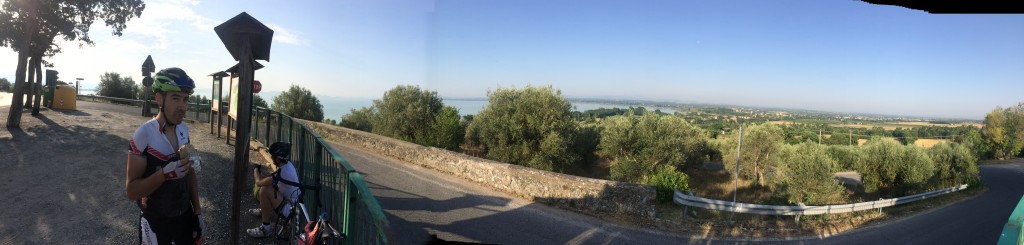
[
  {"x": 347, "y": 204},
  {"x": 268, "y": 114},
  {"x": 279, "y": 124}
]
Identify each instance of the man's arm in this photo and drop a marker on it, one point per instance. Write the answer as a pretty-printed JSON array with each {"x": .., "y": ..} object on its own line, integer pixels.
[
  {"x": 135, "y": 186},
  {"x": 261, "y": 181}
]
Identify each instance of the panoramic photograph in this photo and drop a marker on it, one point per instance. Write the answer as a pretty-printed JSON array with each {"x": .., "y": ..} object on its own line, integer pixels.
[{"x": 511, "y": 122}]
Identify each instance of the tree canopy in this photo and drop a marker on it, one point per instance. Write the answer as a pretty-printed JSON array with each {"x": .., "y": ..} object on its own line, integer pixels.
[
  {"x": 299, "y": 102},
  {"x": 5, "y": 85},
  {"x": 650, "y": 140},
  {"x": 761, "y": 142},
  {"x": 532, "y": 126},
  {"x": 258, "y": 101},
  {"x": 806, "y": 175},
  {"x": 114, "y": 85},
  {"x": 1004, "y": 131},
  {"x": 407, "y": 113},
  {"x": 361, "y": 119},
  {"x": 30, "y": 28}
]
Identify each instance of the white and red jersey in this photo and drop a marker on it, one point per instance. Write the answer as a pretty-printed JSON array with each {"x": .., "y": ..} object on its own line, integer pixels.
[{"x": 172, "y": 198}]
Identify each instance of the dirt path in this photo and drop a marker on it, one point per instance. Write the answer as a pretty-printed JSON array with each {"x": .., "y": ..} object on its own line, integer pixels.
[
  {"x": 63, "y": 180},
  {"x": 5, "y": 98}
]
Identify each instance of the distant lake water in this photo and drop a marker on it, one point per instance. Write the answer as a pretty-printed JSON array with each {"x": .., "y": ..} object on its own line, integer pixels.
[{"x": 335, "y": 108}]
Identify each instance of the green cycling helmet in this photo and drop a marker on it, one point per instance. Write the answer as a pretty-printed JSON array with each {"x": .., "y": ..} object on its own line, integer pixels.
[{"x": 173, "y": 80}]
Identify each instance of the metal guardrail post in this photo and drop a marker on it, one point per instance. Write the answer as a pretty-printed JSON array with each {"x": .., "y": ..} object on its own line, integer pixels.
[
  {"x": 279, "y": 122},
  {"x": 347, "y": 205},
  {"x": 267, "y": 136}
]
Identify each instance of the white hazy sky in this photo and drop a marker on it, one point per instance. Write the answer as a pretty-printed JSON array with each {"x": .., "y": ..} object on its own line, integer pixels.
[{"x": 844, "y": 56}]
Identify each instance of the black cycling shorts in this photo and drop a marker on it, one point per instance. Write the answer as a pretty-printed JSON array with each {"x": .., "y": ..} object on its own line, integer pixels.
[{"x": 178, "y": 229}]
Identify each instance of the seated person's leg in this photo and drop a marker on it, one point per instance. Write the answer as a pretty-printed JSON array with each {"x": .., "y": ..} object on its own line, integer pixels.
[{"x": 269, "y": 199}]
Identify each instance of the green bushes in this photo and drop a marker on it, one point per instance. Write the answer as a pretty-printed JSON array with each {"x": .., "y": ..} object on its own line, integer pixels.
[
  {"x": 530, "y": 126},
  {"x": 806, "y": 175},
  {"x": 846, "y": 156},
  {"x": 665, "y": 180},
  {"x": 411, "y": 114},
  {"x": 893, "y": 169},
  {"x": 955, "y": 165},
  {"x": 761, "y": 142}
]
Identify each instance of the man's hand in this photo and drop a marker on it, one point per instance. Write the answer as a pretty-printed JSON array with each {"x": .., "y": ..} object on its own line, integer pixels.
[{"x": 177, "y": 169}]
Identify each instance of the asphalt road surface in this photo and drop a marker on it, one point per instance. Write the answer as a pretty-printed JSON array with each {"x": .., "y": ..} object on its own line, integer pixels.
[{"x": 420, "y": 202}]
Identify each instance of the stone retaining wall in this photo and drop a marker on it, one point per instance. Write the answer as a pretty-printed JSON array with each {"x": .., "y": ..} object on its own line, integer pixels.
[{"x": 586, "y": 194}]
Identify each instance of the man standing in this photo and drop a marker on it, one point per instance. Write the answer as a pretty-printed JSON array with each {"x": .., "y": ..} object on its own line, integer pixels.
[{"x": 169, "y": 199}]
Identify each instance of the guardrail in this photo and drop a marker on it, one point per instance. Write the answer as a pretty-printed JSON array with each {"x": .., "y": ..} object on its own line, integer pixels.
[
  {"x": 194, "y": 109},
  {"x": 1012, "y": 231},
  {"x": 345, "y": 196},
  {"x": 736, "y": 207}
]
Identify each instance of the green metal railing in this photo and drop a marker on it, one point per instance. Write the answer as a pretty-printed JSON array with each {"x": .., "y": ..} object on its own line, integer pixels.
[
  {"x": 1012, "y": 231},
  {"x": 344, "y": 193}
]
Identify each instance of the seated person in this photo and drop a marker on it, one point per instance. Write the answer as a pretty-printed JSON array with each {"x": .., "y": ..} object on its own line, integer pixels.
[{"x": 272, "y": 202}]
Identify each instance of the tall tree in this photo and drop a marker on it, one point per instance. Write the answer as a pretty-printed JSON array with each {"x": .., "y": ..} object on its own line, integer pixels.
[
  {"x": 806, "y": 175},
  {"x": 5, "y": 85},
  {"x": 361, "y": 119},
  {"x": 257, "y": 101},
  {"x": 31, "y": 27},
  {"x": 650, "y": 140},
  {"x": 114, "y": 85},
  {"x": 407, "y": 113},
  {"x": 998, "y": 133},
  {"x": 532, "y": 126},
  {"x": 761, "y": 142},
  {"x": 299, "y": 102},
  {"x": 446, "y": 131}
]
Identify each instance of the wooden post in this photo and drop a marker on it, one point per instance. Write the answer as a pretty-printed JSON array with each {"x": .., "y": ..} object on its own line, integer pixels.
[
  {"x": 242, "y": 136},
  {"x": 247, "y": 40}
]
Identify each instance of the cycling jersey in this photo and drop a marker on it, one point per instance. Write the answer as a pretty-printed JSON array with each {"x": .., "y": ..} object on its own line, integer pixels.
[
  {"x": 287, "y": 172},
  {"x": 172, "y": 198}
]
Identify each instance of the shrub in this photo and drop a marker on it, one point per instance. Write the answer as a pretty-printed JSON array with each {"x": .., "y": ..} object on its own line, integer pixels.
[{"x": 666, "y": 180}]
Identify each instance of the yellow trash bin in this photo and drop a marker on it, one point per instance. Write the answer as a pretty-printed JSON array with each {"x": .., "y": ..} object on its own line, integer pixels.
[{"x": 65, "y": 97}]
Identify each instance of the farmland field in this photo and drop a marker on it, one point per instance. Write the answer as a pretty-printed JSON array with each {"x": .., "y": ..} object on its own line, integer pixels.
[{"x": 928, "y": 143}]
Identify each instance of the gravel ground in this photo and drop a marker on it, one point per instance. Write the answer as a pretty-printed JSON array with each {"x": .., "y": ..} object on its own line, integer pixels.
[{"x": 63, "y": 174}]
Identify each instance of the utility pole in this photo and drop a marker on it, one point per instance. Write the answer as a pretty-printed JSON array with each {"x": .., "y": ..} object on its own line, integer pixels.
[{"x": 819, "y": 136}]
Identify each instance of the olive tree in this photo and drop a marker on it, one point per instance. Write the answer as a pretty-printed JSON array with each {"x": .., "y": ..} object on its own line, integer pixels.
[
  {"x": 650, "y": 140},
  {"x": 806, "y": 175},
  {"x": 532, "y": 126},
  {"x": 300, "y": 103},
  {"x": 760, "y": 144}
]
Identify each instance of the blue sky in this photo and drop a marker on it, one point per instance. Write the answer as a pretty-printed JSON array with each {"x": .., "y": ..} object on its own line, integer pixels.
[{"x": 845, "y": 56}]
